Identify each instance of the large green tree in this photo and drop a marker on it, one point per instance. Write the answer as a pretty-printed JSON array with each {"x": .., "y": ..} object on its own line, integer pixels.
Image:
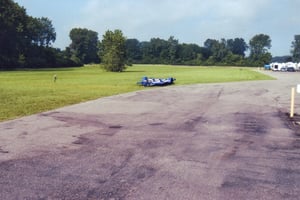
[
  {"x": 42, "y": 32},
  {"x": 190, "y": 54},
  {"x": 133, "y": 50},
  {"x": 112, "y": 51},
  {"x": 296, "y": 48},
  {"x": 13, "y": 35},
  {"x": 259, "y": 46},
  {"x": 26, "y": 41},
  {"x": 237, "y": 46},
  {"x": 41, "y": 35},
  {"x": 84, "y": 45},
  {"x": 173, "y": 48},
  {"x": 217, "y": 49}
]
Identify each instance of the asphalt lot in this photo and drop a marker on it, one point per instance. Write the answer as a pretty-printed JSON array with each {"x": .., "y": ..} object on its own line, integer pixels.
[{"x": 207, "y": 141}]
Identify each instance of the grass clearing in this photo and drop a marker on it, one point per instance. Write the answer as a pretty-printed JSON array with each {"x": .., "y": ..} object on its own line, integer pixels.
[{"x": 28, "y": 92}]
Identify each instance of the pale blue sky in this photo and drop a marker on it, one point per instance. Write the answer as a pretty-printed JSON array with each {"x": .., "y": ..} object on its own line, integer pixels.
[{"x": 189, "y": 21}]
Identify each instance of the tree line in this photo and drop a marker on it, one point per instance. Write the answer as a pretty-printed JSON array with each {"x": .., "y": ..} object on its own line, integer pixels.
[
  {"x": 214, "y": 52},
  {"x": 26, "y": 42}
]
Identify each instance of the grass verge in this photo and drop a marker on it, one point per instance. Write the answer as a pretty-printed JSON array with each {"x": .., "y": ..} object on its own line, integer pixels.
[{"x": 28, "y": 92}]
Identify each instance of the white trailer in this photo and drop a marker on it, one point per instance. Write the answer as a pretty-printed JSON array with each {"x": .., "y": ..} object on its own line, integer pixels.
[{"x": 277, "y": 66}]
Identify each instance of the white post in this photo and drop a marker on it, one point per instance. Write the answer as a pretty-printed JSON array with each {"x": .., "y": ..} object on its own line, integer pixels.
[{"x": 292, "y": 102}]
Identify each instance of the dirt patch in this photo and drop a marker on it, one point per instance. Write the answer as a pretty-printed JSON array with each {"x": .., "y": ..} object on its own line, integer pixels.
[
  {"x": 82, "y": 141},
  {"x": 291, "y": 123}
]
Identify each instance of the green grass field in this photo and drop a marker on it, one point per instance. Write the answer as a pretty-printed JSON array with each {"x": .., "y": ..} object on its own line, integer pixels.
[{"x": 32, "y": 91}]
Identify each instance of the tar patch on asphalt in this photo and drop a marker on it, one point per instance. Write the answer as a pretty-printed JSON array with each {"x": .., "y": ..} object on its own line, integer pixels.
[{"x": 250, "y": 124}]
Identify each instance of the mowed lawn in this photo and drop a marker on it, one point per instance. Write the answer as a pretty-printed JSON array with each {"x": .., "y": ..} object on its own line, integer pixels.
[{"x": 28, "y": 92}]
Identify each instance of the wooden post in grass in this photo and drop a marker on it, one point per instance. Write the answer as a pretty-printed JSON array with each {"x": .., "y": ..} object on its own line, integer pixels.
[
  {"x": 54, "y": 78},
  {"x": 292, "y": 102}
]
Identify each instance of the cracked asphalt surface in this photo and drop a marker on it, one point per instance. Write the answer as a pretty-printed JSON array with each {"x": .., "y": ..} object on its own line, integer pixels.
[{"x": 206, "y": 141}]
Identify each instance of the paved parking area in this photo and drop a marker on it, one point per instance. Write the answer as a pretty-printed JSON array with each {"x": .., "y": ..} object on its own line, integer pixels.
[{"x": 207, "y": 141}]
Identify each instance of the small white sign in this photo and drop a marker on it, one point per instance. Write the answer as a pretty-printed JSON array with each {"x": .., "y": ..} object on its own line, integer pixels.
[{"x": 298, "y": 88}]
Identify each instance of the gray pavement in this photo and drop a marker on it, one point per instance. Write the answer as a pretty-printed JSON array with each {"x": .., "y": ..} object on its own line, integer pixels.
[{"x": 206, "y": 141}]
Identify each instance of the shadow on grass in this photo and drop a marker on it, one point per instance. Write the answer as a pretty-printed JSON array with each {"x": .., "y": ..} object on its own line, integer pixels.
[
  {"x": 131, "y": 71},
  {"x": 54, "y": 69},
  {"x": 39, "y": 70}
]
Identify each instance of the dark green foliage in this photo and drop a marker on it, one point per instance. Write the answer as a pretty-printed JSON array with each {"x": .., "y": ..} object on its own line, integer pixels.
[
  {"x": 13, "y": 33},
  {"x": 237, "y": 46},
  {"x": 159, "y": 51},
  {"x": 84, "y": 45},
  {"x": 25, "y": 41},
  {"x": 133, "y": 50},
  {"x": 42, "y": 33},
  {"x": 296, "y": 48}
]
